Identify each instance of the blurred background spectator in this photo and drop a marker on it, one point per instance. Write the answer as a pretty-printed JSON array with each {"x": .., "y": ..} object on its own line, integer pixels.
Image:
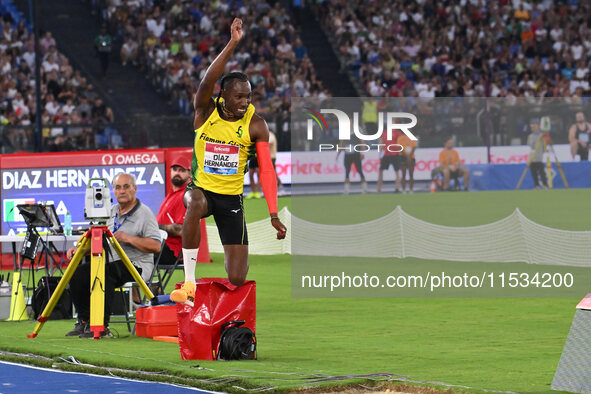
[
  {"x": 175, "y": 42},
  {"x": 525, "y": 53},
  {"x": 69, "y": 121}
]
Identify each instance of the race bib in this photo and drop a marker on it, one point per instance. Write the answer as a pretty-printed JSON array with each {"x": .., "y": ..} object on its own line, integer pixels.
[
  {"x": 221, "y": 159},
  {"x": 584, "y": 137}
]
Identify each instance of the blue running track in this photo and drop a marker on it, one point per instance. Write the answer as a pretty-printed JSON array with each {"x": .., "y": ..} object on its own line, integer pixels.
[{"x": 19, "y": 378}]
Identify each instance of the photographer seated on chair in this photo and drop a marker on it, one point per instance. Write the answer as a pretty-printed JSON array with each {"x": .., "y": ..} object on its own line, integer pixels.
[
  {"x": 451, "y": 166},
  {"x": 135, "y": 228}
]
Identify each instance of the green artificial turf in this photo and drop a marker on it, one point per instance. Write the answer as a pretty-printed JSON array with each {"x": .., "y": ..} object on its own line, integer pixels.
[{"x": 481, "y": 344}]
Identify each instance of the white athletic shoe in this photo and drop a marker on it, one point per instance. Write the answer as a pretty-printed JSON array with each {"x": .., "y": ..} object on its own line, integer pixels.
[
  {"x": 363, "y": 187},
  {"x": 346, "y": 191}
]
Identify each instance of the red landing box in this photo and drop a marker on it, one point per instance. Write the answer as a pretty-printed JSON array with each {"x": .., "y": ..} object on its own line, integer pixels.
[
  {"x": 217, "y": 301},
  {"x": 153, "y": 321}
]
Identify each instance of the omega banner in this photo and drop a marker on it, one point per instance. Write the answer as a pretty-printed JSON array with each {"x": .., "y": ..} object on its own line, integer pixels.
[{"x": 61, "y": 179}]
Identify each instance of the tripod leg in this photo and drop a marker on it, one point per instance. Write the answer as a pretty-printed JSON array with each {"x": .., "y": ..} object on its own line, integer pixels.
[
  {"x": 97, "y": 294},
  {"x": 50, "y": 251},
  {"x": 562, "y": 173},
  {"x": 559, "y": 167},
  {"x": 523, "y": 175},
  {"x": 548, "y": 168},
  {"x": 136, "y": 276},
  {"x": 82, "y": 249}
]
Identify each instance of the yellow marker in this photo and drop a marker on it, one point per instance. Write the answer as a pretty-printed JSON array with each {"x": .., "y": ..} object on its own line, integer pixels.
[
  {"x": 18, "y": 307},
  {"x": 548, "y": 167}
]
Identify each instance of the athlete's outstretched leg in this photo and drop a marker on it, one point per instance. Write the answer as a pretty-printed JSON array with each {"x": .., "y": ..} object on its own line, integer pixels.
[
  {"x": 236, "y": 263},
  {"x": 196, "y": 204}
]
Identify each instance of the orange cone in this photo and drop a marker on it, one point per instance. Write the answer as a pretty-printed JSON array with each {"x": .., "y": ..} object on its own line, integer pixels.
[
  {"x": 203, "y": 253},
  {"x": 433, "y": 186}
]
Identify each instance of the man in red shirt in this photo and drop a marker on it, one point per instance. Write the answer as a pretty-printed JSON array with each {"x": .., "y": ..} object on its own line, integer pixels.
[
  {"x": 391, "y": 156},
  {"x": 172, "y": 211}
]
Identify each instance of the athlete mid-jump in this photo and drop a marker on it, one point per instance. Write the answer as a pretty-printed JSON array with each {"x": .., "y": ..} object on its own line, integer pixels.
[{"x": 227, "y": 132}]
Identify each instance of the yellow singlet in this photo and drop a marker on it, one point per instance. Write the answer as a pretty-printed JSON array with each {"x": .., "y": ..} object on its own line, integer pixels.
[{"x": 221, "y": 153}]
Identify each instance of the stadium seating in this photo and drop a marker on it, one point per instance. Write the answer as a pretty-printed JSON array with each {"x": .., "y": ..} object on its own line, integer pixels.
[
  {"x": 72, "y": 116},
  {"x": 179, "y": 39},
  {"x": 464, "y": 48}
]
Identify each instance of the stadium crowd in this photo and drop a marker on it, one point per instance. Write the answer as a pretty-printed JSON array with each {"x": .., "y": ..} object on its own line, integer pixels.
[
  {"x": 433, "y": 48},
  {"x": 175, "y": 41},
  {"x": 73, "y": 114},
  {"x": 524, "y": 51}
]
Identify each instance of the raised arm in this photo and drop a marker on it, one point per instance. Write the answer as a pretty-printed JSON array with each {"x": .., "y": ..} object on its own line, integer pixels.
[{"x": 202, "y": 99}]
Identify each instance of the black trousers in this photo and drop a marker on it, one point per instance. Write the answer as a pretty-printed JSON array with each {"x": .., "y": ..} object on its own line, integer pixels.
[
  {"x": 537, "y": 171},
  {"x": 167, "y": 257},
  {"x": 116, "y": 274},
  {"x": 104, "y": 60},
  {"x": 350, "y": 159},
  {"x": 583, "y": 153}
]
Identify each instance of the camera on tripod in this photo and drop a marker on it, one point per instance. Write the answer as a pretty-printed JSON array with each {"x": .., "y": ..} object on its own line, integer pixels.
[{"x": 97, "y": 207}]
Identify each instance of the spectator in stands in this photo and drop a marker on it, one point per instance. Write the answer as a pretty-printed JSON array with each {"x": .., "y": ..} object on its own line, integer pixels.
[
  {"x": 172, "y": 211},
  {"x": 299, "y": 49},
  {"x": 103, "y": 46},
  {"x": 51, "y": 105},
  {"x": 62, "y": 89},
  {"x": 46, "y": 42},
  {"x": 579, "y": 136},
  {"x": 179, "y": 45},
  {"x": 101, "y": 113},
  {"x": 83, "y": 107},
  {"x": 536, "y": 164},
  {"x": 451, "y": 166},
  {"x": 136, "y": 229},
  {"x": 129, "y": 51},
  {"x": 450, "y": 41}
]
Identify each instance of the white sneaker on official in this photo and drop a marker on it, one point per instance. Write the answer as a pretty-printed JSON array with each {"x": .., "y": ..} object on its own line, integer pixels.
[
  {"x": 346, "y": 191},
  {"x": 363, "y": 187}
]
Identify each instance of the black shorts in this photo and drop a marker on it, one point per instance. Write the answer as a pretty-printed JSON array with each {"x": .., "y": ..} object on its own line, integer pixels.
[
  {"x": 253, "y": 164},
  {"x": 583, "y": 153},
  {"x": 228, "y": 212},
  {"x": 394, "y": 160},
  {"x": 406, "y": 164},
  {"x": 456, "y": 173}
]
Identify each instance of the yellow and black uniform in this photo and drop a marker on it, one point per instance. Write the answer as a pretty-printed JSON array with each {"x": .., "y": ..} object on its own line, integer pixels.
[
  {"x": 220, "y": 156},
  {"x": 221, "y": 152}
]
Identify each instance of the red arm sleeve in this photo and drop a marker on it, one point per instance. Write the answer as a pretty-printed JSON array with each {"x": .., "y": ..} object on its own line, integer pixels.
[{"x": 267, "y": 175}]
